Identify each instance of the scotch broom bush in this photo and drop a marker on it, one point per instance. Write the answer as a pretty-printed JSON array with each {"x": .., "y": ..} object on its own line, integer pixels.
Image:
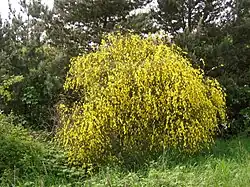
[{"x": 135, "y": 96}]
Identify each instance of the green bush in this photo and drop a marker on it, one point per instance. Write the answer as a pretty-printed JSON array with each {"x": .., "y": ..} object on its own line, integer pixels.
[
  {"x": 40, "y": 89},
  {"x": 27, "y": 156},
  {"x": 33, "y": 91},
  {"x": 19, "y": 153},
  {"x": 135, "y": 96},
  {"x": 238, "y": 103}
]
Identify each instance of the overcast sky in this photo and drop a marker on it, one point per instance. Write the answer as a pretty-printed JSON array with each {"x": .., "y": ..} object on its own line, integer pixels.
[{"x": 4, "y": 6}]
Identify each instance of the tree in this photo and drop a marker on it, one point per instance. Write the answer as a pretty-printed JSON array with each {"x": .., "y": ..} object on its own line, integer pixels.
[
  {"x": 25, "y": 52},
  {"x": 178, "y": 15},
  {"x": 77, "y": 25}
]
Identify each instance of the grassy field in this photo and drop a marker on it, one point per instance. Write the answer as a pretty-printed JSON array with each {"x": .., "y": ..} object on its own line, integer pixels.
[{"x": 226, "y": 164}]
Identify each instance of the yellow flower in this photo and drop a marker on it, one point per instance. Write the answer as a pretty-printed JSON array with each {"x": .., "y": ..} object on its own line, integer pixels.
[{"x": 136, "y": 96}]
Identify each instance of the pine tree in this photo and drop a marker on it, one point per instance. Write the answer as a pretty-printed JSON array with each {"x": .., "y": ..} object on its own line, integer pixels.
[
  {"x": 178, "y": 15},
  {"x": 25, "y": 52},
  {"x": 77, "y": 25}
]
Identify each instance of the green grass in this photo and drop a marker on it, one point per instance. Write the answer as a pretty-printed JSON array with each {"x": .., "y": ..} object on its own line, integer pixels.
[{"x": 226, "y": 164}]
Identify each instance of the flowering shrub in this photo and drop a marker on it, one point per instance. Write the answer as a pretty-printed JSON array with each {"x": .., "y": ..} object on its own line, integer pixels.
[{"x": 134, "y": 96}]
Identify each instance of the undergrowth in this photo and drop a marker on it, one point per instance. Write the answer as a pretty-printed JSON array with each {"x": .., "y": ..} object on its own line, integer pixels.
[{"x": 31, "y": 159}]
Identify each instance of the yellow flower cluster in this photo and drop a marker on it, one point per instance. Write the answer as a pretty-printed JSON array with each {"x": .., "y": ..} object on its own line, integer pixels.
[{"x": 135, "y": 95}]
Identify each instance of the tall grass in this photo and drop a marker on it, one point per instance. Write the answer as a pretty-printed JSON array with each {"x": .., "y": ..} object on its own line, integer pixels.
[{"x": 226, "y": 164}]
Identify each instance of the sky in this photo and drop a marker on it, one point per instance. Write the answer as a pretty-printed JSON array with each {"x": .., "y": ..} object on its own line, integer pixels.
[{"x": 15, "y": 4}]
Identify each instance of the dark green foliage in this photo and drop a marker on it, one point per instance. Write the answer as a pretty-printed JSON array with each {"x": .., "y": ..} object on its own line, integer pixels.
[
  {"x": 41, "y": 88},
  {"x": 80, "y": 24},
  {"x": 176, "y": 16},
  {"x": 238, "y": 102},
  {"x": 25, "y": 52},
  {"x": 140, "y": 23}
]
